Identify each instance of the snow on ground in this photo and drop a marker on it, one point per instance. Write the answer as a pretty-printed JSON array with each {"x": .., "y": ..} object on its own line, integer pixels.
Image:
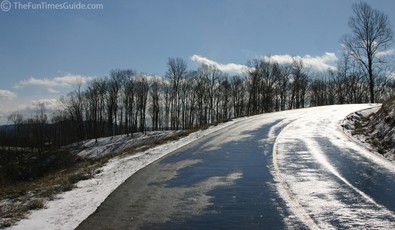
[
  {"x": 312, "y": 186},
  {"x": 106, "y": 145},
  {"x": 300, "y": 167},
  {"x": 72, "y": 207}
]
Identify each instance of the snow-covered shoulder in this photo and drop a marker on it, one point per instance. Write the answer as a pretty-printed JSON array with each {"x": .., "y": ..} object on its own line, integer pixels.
[
  {"x": 310, "y": 161},
  {"x": 69, "y": 209}
]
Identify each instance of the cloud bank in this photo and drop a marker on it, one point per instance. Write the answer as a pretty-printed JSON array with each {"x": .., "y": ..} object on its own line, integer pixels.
[
  {"x": 28, "y": 108},
  {"x": 63, "y": 81},
  {"x": 385, "y": 53},
  {"x": 27, "y": 98},
  {"x": 319, "y": 63},
  {"x": 226, "y": 68},
  {"x": 7, "y": 95}
]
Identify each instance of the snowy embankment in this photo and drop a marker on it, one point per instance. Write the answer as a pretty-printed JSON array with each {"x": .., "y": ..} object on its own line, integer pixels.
[
  {"x": 349, "y": 128},
  {"x": 374, "y": 129},
  {"x": 69, "y": 209}
]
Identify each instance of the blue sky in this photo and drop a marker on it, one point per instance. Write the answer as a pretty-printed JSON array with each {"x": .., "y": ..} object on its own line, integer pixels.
[{"x": 43, "y": 51}]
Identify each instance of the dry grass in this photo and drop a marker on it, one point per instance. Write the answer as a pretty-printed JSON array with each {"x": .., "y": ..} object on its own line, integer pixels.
[{"x": 17, "y": 200}]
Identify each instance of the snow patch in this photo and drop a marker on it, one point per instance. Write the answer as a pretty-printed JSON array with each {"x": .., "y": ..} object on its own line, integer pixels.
[{"x": 105, "y": 145}]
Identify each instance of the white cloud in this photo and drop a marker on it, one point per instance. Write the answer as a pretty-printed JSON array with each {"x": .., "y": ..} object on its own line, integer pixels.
[
  {"x": 26, "y": 101},
  {"x": 320, "y": 63},
  {"x": 227, "y": 68},
  {"x": 28, "y": 107},
  {"x": 6, "y": 94},
  {"x": 62, "y": 81},
  {"x": 54, "y": 91},
  {"x": 385, "y": 53}
]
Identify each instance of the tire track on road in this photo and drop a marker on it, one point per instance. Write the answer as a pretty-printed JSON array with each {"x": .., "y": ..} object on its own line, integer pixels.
[{"x": 283, "y": 188}]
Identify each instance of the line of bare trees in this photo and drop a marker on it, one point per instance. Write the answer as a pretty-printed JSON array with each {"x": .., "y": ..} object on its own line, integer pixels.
[{"x": 127, "y": 102}]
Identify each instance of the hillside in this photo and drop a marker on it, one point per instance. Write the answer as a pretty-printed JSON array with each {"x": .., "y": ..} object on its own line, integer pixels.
[{"x": 375, "y": 128}]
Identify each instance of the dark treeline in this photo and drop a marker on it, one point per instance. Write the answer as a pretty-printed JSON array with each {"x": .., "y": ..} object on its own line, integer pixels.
[{"x": 127, "y": 102}]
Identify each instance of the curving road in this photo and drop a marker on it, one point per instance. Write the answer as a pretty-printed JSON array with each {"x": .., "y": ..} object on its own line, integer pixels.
[{"x": 285, "y": 170}]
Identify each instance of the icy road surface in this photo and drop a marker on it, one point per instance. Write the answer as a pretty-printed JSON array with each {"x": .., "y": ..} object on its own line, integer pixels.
[{"x": 285, "y": 170}]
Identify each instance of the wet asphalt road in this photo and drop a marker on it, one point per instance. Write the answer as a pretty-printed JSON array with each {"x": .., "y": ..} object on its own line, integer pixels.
[
  {"x": 222, "y": 181},
  {"x": 229, "y": 180}
]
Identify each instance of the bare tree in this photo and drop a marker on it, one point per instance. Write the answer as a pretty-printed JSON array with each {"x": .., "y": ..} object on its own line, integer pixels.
[
  {"x": 299, "y": 84},
  {"x": 192, "y": 80},
  {"x": 283, "y": 85},
  {"x": 177, "y": 70},
  {"x": 41, "y": 120},
  {"x": 200, "y": 87},
  {"x": 129, "y": 98},
  {"x": 348, "y": 81},
  {"x": 270, "y": 77},
  {"x": 16, "y": 118},
  {"x": 117, "y": 78},
  {"x": 142, "y": 89},
  {"x": 185, "y": 87},
  {"x": 74, "y": 105},
  {"x": 370, "y": 38},
  {"x": 253, "y": 83},
  {"x": 61, "y": 131},
  {"x": 93, "y": 98},
  {"x": 225, "y": 99},
  {"x": 155, "y": 93},
  {"x": 167, "y": 103},
  {"x": 238, "y": 94},
  {"x": 211, "y": 75}
]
